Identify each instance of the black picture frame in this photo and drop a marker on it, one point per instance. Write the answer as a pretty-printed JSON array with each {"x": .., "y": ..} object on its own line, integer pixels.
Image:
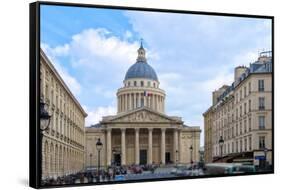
[{"x": 34, "y": 89}]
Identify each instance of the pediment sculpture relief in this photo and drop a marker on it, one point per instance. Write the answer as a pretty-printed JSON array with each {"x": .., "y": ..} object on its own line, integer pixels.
[{"x": 142, "y": 116}]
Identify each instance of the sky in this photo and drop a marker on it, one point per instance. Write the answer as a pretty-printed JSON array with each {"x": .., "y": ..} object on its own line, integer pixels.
[{"x": 192, "y": 55}]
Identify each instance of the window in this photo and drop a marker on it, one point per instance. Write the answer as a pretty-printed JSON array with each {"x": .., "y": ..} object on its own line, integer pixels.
[
  {"x": 245, "y": 126},
  {"x": 250, "y": 143},
  {"x": 154, "y": 85},
  {"x": 129, "y": 84},
  {"x": 240, "y": 95},
  {"x": 148, "y": 83},
  {"x": 240, "y": 111},
  {"x": 245, "y": 108},
  {"x": 249, "y": 88},
  {"x": 240, "y": 127},
  {"x": 141, "y": 83},
  {"x": 250, "y": 124},
  {"x": 245, "y": 91},
  {"x": 261, "y": 122},
  {"x": 135, "y": 83},
  {"x": 262, "y": 142},
  {"x": 228, "y": 148},
  {"x": 241, "y": 145},
  {"x": 236, "y": 129},
  {"x": 232, "y": 147},
  {"x": 261, "y": 85},
  {"x": 236, "y": 113},
  {"x": 250, "y": 105},
  {"x": 236, "y": 146},
  {"x": 245, "y": 144},
  {"x": 261, "y": 103},
  {"x": 47, "y": 91}
]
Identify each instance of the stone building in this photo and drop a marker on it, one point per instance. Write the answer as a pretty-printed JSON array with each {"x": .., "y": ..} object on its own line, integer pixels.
[
  {"x": 141, "y": 132},
  {"x": 63, "y": 150},
  {"x": 241, "y": 115}
]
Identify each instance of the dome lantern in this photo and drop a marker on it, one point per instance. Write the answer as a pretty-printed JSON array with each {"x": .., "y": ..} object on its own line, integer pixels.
[{"x": 141, "y": 53}]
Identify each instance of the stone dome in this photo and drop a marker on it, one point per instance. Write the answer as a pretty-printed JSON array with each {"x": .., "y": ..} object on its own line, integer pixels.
[{"x": 141, "y": 69}]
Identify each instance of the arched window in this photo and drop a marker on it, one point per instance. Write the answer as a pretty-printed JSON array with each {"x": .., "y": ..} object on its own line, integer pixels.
[
  {"x": 154, "y": 85},
  {"x": 135, "y": 83},
  {"x": 148, "y": 83},
  {"x": 141, "y": 83},
  {"x": 129, "y": 84}
]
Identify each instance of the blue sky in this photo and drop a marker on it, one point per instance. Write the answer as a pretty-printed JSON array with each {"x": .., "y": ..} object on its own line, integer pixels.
[{"x": 192, "y": 54}]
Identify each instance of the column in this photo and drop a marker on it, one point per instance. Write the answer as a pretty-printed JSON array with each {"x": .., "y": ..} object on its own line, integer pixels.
[
  {"x": 122, "y": 103},
  {"x": 137, "y": 147},
  {"x": 130, "y": 101},
  {"x": 108, "y": 147},
  {"x": 123, "y": 146},
  {"x": 163, "y": 144},
  {"x": 118, "y": 100},
  {"x": 157, "y": 103},
  {"x": 139, "y": 100},
  {"x": 179, "y": 145},
  {"x": 163, "y": 104},
  {"x": 145, "y": 100},
  {"x": 135, "y": 100},
  {"x": 126, "y": 102},
  {"x": 120, "y": 106},
  {"x": 153, "y": 102},
  {"x": 150, "y": 143},
  {"x": 176, "y": 150}
]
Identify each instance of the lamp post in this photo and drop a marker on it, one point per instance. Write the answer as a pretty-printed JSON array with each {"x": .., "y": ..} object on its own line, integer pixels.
[
  {"x": 177, "y": 153},
  {"x": 265, "y": 150},
  {"x": 91, "y": 155},
  {"x": 112, "y": 157},
  {"x": 191, "y": 150},
  {"x": 99, "y": 147},
  {"x": 221, "y": 141},
  {"x": 44, "y": 124}
]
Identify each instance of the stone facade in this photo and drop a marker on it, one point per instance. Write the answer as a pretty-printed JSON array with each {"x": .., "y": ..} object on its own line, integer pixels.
[
  {"x": 242, "y": 115},
  {"x": 63, "y": 149},
  {"x": 141, "y": 132}
]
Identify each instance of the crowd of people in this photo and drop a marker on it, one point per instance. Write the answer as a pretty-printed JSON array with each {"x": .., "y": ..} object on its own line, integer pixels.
[{"x": 93, "y": 176}]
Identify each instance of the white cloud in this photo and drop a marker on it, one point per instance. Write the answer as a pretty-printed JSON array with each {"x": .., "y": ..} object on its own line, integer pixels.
[
  {"x": 95, "y": 115},
  {"x": 98, "y": 48},
  {"x": 52, "y": 54}
]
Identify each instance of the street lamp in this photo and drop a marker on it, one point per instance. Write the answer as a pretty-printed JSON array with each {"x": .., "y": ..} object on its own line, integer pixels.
[
  {"x": 91, "y": 155},
  {"x": 45, "y": 118},
  {"x": 112, "y": 157},
  {"x": 44, "y": 124},
  {"x": 99, "y": 147},
  {"x": 191, "y": 150},
  {"x": 265, "y": 150},
  {"x": 221, "y": 141},
  {"x": 177, "y": 152}
]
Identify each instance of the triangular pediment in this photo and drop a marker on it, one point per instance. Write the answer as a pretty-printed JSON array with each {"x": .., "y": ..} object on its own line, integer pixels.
[{"x": 142, "y": 115}]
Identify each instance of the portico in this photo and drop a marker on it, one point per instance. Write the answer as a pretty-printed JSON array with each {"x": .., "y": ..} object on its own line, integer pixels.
[{"x": 151, "y": 133}]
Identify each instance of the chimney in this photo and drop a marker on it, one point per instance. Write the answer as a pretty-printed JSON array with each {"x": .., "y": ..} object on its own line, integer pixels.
[{"x": 239, "y": 71}]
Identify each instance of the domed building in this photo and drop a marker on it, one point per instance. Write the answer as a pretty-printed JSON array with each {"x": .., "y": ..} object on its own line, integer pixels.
[{"x": 141, "y": 132}]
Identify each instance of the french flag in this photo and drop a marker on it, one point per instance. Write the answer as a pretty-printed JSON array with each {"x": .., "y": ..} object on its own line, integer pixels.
[{"x": 147, "y": 93}]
